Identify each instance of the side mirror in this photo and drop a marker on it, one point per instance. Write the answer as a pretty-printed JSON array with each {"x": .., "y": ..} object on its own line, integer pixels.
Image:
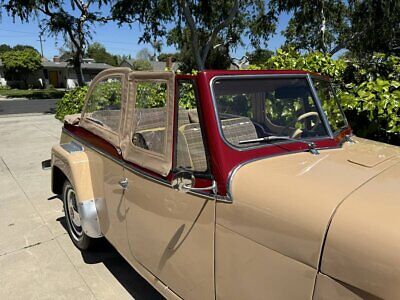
[{"x": 184, "y": 182}]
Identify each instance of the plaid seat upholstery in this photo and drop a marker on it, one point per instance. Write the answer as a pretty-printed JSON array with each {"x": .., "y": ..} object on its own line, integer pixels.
[
  {"x": 150, "y": 124},
  {"x": 238, "y": 129},
  {"x": 149, "y": 118},
  {"x": 194, "y": 146}
]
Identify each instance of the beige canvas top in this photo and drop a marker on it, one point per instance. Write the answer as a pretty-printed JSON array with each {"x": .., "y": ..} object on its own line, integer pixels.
[{"x": 160, "y": 163}]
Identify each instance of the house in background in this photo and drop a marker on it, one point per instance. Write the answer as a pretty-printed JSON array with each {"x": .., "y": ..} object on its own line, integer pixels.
[
  {"x": 156, "y": 66},
  {"x": 60, "y": 74},
  {"x": 57, "y": 73}
]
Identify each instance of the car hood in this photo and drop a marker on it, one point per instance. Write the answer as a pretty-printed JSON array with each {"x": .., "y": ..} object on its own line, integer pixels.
[
  {"x": 363, "y": 242},
  {"x": 286, "y": 202}
]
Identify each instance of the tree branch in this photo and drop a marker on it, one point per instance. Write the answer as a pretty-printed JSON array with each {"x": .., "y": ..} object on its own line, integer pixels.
[
  {"x": 218, "y": 28},
  {"x": 194, "y": 35}
]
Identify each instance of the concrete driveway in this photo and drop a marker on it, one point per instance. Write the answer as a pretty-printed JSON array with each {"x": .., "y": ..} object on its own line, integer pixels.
[{"x": 37, "y": 258}]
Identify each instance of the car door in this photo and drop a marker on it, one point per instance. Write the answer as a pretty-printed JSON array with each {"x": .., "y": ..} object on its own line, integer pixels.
[
  {"x": 102, "y": 115},
  {"x": 170, "y": 232}
]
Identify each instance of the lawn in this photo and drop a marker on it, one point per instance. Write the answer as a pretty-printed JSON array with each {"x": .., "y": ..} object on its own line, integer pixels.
[{"x": 32, "y": 94}]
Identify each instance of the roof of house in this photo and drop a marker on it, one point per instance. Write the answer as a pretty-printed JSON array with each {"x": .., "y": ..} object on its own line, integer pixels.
[
  {"x": 157, "y": 65},
  {"x": 87, "y": 66}
]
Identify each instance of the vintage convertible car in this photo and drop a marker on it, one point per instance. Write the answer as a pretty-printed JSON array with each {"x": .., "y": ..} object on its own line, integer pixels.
[{"x": 232, "y": 185}]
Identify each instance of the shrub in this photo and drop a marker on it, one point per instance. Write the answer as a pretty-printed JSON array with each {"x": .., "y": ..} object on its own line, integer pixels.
[
  {"x": 369, "y": 89},
  {"x": 71, "y": 103}
]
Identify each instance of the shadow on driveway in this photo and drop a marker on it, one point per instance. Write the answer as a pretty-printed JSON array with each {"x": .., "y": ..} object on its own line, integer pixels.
[{"x": 106, "y": 254}]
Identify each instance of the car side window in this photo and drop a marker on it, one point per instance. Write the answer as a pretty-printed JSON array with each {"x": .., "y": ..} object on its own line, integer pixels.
[
  {"x": 104, "y": 103},
  {"x": 150, "y": 116},
  {"x": 190, "y": 150}
]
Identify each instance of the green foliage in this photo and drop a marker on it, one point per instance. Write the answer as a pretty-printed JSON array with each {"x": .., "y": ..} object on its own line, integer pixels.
[
  {"x": 99, "y": 53},
  {"x": 187, "y": 99},
  {"x": 164, "y": 56},
  {"x": 141, "y": 65},
  {"x": 18, "y": 64},
  {"x": 151, "y": 94},
  {"x": 106, "y": 94},
  {"x": 313, "y": 62},
  {"x": 369, "y": 89},
  {"x": 5, "y": 48},
  {"x": 259, "y": 56},
  {"x": 21, "y": 61},
  {"x": 71, "y": 103}
]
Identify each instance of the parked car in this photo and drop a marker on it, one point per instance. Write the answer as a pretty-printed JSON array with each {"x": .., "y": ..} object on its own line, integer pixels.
[{"x": 232, "y": 185}]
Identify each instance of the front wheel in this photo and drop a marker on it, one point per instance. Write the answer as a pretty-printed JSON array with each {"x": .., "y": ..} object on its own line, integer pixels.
[{"x": 72, "y": 217}]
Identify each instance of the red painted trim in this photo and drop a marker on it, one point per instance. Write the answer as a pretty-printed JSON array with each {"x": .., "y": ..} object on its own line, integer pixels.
[{"x": 93, "y": 139}]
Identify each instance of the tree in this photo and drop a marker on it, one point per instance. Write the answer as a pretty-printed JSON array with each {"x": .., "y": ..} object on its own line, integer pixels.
[
  {"x": 21, "y": 63},
  {"x": 143, "y": 54},
  {"x": 375, "y": 25},
  {"x": 363, "y": 27},
  {"x": 259, "y": 56},
  {"x": 164, "y": 56},
  {"x": 4, "y": 48},
  {"x": 74, "y": 25},
  {"x": 207, "y": 22},
  {"x": 23, "y": 47},
  {"x": 320, "y": 25},
  {"x": 99, "y": 53},
  {"x": 141, "y": 65}
]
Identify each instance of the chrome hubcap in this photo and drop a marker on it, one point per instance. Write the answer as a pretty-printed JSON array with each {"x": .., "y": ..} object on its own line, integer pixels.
[{"x": 73, "y": 214}]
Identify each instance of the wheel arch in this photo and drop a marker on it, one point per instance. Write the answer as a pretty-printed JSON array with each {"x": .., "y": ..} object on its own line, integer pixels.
[{"x": 70, "y": 162}]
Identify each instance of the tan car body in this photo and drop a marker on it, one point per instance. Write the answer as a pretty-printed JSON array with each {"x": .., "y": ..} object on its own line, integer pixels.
[{"x": 298, "y": 226}]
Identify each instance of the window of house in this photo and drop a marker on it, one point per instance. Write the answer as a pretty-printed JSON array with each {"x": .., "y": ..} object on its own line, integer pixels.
[
  {"x": 190, "y": 151},
  {"x": 104, "y": 103},
  {"x": 150, "y": 116}
]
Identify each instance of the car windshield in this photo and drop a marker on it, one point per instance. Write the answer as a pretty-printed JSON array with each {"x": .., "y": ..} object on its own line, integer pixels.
[
  {"x": 252, "y": 109},
  {"x": 330, "y": 105}
]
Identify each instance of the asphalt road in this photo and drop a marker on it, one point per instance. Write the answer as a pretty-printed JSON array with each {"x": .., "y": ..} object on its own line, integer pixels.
[{"x": 8, "y": 107}]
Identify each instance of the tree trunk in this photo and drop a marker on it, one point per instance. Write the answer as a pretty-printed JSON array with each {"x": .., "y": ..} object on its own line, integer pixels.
[{"x": 78, "y": 70}]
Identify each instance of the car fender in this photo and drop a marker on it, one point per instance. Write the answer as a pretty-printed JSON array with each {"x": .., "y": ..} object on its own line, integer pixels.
[{"x": 71, "y": 160}]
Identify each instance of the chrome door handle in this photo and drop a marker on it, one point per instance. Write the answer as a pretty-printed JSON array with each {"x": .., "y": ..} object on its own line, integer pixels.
[{"x": 124, "y": 183}]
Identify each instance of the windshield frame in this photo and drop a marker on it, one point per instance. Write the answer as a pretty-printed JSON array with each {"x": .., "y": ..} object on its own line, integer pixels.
[
  {"x": 314, "y": 95},
  {"x": 336, "y": 99}
]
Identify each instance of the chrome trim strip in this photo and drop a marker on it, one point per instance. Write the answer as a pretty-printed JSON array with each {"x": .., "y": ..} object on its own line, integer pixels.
[
  {"x": 130, "y": 168},
  {"x": 319, "y": 106},
  {"x": 72, "y": 147},
  {"x": 89, "y": 218}
]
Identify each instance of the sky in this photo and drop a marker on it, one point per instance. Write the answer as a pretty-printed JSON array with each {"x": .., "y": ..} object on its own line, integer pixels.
[{"x": 116, "y": 39}]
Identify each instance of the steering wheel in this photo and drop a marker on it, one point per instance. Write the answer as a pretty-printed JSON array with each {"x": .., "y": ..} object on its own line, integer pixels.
[{"x": 302, "y": 118}]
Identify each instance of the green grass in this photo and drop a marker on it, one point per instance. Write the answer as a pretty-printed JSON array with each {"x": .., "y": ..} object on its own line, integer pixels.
[{"x": 32, "y": 94}]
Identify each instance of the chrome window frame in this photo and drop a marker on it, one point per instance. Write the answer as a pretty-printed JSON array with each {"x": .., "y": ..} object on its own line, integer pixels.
[{"x": 314, "y": 94}]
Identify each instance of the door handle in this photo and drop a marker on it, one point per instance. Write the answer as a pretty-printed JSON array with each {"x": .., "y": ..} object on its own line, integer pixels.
[{"x": 123, "y": 183}]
